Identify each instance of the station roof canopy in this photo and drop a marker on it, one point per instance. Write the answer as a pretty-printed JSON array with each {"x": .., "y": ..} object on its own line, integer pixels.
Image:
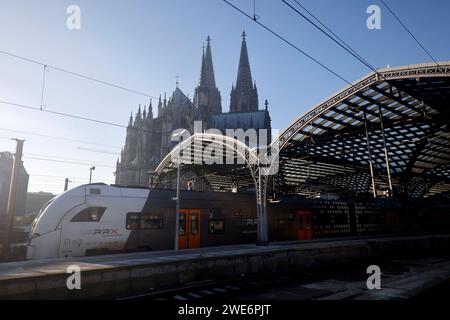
[
  {"x": 216, "y": 162},
  {"x": 327, "y": 148},
  {"x": 330, "y": 147}
]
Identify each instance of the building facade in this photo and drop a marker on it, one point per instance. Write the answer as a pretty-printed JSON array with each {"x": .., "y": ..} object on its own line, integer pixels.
[
  {"x": 6, "y": 165},
  {"x": 148, "y": 138},
  {"x": 35, "y": 202}
]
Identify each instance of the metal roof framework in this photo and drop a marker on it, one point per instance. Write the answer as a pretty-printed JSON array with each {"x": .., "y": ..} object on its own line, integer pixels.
[
  {"x": 387, "y": 131},
  {"x": 391, "y": 128},
  {"x": 218, "y": 158},
  {"x": 220, "y": 161}
]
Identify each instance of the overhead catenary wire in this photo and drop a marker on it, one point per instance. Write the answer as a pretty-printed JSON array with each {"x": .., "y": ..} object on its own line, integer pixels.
[
  {"x": 333, "y": 35},
  {"x": 43, "y": 85},
  {"x": 58, "y": 183},
  {"x": 99, "y": 151},
  {"x": 52, "y": 157},
  {"x": 73, "y": 116},
  {"x": 23, "y": 106},
  {"x": 43, "y": 182},
  {"x": 409, "y": 31},
  {"x": 73, "y": 73},
  {"x": 48, "y": 188},
  {"x": 66, "y": 177},
  {"x": 48, "y": 185},
  {"x": 40, "y": 108},
  {"x": 69, "y": 161},
  {"x": 58, "y": 137},
  {"x": 288, "y": 42}
]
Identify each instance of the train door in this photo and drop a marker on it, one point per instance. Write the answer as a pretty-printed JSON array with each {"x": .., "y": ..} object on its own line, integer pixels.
[
  {"x": 304, "y": 225},
  {"x": 189, "y": 231}
]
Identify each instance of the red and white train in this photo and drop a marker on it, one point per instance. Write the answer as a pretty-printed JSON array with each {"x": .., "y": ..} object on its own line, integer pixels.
[{"x": 98, "y": 218}]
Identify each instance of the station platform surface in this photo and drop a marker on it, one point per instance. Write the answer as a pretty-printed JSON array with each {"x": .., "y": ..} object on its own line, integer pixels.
[{"x": 119, "y": 273}]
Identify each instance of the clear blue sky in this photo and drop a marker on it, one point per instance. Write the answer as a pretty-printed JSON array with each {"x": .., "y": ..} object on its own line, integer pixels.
[{"x": 144, "y": 44}]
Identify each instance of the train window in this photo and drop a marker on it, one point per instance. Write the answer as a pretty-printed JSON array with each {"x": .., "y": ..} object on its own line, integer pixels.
[
  {"x": 194, "y": 224},
  {"x": 132, "y": 220},
  {"x": 91, "y": 214},
  {"x": 151, "y": 221},
  {"x": 182, "y": 225},
  {"x": 216, "y": 226},
  {"x": 43, "y": 208},
  {"x": 95, "y": 191}
]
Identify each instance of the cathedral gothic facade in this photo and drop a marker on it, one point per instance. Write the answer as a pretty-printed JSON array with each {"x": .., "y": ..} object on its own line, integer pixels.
[{"x": 148, "y": 138}]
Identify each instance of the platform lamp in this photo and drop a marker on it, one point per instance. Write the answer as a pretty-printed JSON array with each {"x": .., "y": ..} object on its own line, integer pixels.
[
  {"x": 90, "y": 174},
  {"x": 178, "y": 136}
]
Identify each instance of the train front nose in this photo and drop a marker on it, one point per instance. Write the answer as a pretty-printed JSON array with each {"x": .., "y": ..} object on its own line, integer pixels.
[
  {"x": 31, "y": 246},
  {"x": 43, "y": 246}
]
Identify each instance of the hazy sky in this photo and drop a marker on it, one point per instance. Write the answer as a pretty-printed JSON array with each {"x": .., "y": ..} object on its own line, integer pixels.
[{"x": 143, "y": 45}]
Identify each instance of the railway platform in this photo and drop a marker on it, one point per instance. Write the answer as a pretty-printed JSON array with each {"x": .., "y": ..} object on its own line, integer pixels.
[{"x": 120, "y": 274}]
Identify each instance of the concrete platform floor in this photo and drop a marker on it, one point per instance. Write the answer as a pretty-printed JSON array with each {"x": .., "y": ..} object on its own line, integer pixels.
[
  {"x": 31, "y": 268},
  {"x": 110, "y": 275}
]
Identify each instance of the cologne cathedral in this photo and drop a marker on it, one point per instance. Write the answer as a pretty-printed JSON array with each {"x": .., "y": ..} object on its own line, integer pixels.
[{"x": 148, "y": 138}]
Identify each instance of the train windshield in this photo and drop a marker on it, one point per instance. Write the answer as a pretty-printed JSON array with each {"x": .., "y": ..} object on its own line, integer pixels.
[
  {"x": 44, "y": 207},
  {"x": 33, "y": 224}
]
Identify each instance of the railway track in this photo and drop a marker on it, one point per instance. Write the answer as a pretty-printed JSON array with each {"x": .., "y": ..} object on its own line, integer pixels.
[
  {"x": 251, "y": 283},
  {"x": 234, "y": 287},
  {"x": 319, "y": 283}
]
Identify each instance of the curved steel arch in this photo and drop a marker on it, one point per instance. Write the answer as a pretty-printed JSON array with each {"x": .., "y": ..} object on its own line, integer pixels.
[
  {"x": 384, "y": 77},
  {"x": 251, "y": 161},
  {"x": 371, "y": 94},
  {"x": 411, "y": 71},
  {"x": 237, "y": 146}
]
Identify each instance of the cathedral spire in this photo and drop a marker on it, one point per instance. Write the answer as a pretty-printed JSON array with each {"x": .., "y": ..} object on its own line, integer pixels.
[
  {"x": 244, "y": 96},
  {"x": 207, "y": 97},
  {"x": 150, "y": 110},
  {"x": 207, "y": 79},
  {"x": 244, "y": 78},
  {"x": 160, "y": 107},
  {"x": 138, "y": 114}
]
